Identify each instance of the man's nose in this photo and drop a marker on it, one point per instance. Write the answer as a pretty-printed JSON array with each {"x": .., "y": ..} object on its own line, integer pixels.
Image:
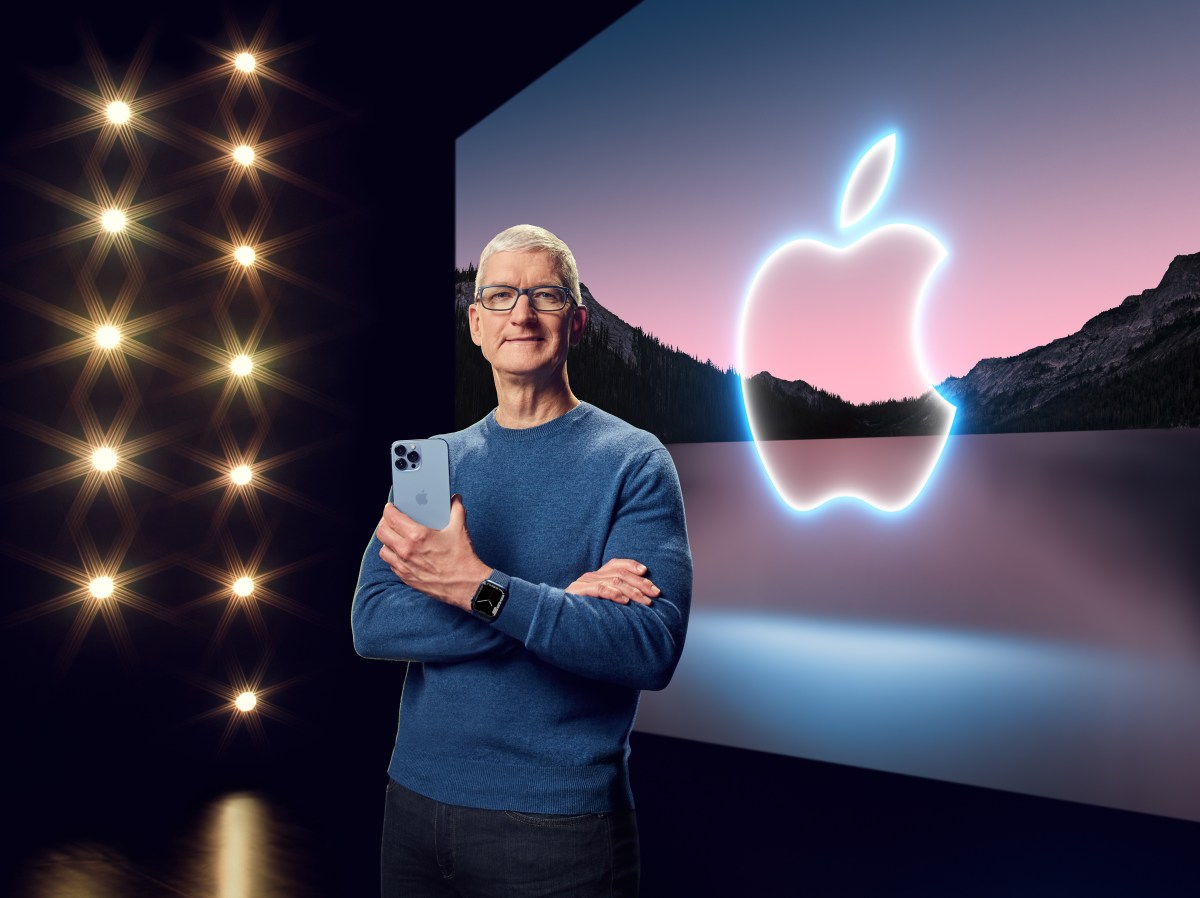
[{"x": 523, "y": 309}]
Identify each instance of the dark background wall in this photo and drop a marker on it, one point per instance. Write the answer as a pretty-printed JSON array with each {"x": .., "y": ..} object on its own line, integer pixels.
[{"x": 113, "y": 754}]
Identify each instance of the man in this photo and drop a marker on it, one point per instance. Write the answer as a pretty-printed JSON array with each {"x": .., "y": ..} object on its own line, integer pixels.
[{"x": 531, "y": 635}]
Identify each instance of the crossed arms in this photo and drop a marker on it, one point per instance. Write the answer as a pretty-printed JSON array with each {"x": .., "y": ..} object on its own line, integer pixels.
[{"x": 623, "y": 623}]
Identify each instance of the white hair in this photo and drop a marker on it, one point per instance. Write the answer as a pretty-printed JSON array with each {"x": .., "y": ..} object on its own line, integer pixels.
[{"x": 530, "y": 238}]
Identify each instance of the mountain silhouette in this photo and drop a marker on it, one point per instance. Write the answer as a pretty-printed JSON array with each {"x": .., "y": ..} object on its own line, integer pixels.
[
  {"x": 1133, "y": 366},
  {"x": 621, "y": 369}
]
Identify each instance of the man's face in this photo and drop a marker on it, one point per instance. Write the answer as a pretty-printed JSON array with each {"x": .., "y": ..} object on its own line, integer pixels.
[{"x": 522, "y": 341}]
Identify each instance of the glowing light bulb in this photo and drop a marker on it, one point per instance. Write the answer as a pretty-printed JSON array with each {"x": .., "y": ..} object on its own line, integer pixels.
[
  {"x": 242, "y": 587},
  {"x": 101, "y": 587},
  {"x": 245, "y": 702},
  {"x": 243, "y": 155},
  {"x": 244, "y": 255},
  {"x": 113, "y": 220},
  {"x": 104, "y": 459},
  {"x": 240, "y": 475},
  {"x": 117, "y": 112},
  {"x": 108, "y": 336},
  {"x": 241, "y": 365},
  {"x": 245, "y": 62}
]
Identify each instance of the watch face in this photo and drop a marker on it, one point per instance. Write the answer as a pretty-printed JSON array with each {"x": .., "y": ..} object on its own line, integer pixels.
[{"x": 488, "y": 599}]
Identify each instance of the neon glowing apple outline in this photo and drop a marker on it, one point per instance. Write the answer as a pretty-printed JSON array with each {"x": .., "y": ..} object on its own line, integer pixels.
[{"x": 864, "y": 189}]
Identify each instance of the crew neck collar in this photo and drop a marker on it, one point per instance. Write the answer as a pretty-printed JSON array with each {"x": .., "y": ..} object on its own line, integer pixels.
[{"x": 538, "y": 431}]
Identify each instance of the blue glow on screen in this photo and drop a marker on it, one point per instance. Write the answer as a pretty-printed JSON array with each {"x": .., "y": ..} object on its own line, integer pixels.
[{"x": 1025, "y": 714}]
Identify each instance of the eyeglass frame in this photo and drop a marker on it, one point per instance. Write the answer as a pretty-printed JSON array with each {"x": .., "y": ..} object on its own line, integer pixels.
[{"x": 527, "y": 291}]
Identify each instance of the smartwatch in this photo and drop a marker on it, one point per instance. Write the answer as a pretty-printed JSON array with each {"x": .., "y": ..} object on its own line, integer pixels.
[{"x": 488, "y": 600}]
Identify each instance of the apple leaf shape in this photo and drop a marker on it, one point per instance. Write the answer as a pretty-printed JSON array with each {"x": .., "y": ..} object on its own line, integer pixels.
[{"x": 867, "y": 183}]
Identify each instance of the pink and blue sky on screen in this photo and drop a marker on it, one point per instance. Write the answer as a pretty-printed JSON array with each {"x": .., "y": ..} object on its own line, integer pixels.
[{"x": 1051, "y": 148}]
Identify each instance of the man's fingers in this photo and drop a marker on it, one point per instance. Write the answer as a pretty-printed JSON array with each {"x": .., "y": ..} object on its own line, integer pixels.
[
  {"x": 612, "y": 592},
  {"x": 632, "y": 592},
  {"x": 395, "y": 517},
  {"x": 628, "y": 564},
  {"x": 612, "y": 589},
  {"x": 391, "y": 560},
  {"x": 639, "y": 582},
  {"x": 397, "y": 528},
  {"x": 638, "y": 589},
  {"x": 612, "y": 595},
  {"x": 385, "y": 533},
  {"x": 400, "y": 526},
  {"x": 634, "y": 567},
  {"x": 458, "y": 512},
  {"x": 618, "y": 580}
]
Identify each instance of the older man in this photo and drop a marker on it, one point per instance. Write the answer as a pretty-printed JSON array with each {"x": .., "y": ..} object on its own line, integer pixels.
[{"x": 532, "y": 635}]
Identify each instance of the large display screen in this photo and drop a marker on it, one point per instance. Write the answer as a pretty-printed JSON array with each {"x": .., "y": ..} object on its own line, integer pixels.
[{"x": 912, "y": 294}]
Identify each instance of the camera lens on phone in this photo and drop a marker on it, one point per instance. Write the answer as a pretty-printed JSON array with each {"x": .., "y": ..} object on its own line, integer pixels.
[
  {"x": 414, "y": 456},
  {"x": 401, "y": 464},
  {"x": 398, "y": 450}
]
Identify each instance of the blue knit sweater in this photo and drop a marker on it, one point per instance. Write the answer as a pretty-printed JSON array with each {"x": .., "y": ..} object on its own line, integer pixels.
[{"x": 532, "y": 712}]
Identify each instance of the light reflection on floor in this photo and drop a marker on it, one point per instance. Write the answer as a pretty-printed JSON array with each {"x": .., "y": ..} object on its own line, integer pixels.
[
  {"x": 76, "y": 871},
  {"x": 240, "y": 849}
]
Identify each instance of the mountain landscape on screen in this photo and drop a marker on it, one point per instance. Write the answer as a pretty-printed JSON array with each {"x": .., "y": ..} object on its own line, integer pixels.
[{"x": 1136, "y": 365}]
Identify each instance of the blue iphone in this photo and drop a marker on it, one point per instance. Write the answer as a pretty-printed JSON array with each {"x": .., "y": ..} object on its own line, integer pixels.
[{"x": 421, "y": 481}]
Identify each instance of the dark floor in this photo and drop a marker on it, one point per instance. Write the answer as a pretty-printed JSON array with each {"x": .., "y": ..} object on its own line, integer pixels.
[{"x": 115, "y": 796}]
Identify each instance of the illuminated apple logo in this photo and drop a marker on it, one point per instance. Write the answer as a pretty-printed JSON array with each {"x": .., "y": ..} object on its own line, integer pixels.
[{"x": 845, "y": 320}]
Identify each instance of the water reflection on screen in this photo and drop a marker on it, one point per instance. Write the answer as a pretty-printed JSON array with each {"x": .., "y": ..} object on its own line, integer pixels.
[{"x": 1031, "y": 623}]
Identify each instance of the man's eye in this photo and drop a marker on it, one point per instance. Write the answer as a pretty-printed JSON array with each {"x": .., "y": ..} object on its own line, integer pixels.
[
  {"x": 501, "y": 294},
  {"x": 548, "y": 297}
]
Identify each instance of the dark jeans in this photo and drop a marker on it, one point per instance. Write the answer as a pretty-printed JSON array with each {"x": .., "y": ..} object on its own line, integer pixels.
[{"x": 432, "y": 850}]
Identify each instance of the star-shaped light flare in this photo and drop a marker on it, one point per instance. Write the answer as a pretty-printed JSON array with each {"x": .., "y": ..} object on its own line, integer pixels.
[
  {"x": 245, "y": 700},
  {"x": 100, "y": 588},
  {"x": 261, "y": 594},
  {"x": 242, "y": 477},
  {"x": 229, "y": 366}
]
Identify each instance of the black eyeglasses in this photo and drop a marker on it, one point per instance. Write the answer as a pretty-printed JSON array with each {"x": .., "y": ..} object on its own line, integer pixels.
[{"x": 501, "y": 297}]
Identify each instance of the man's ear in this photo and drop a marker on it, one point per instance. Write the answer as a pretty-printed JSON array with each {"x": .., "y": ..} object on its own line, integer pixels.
[
  {"x": 473, "y": 321},
  {"x": 579, "y": 319}
]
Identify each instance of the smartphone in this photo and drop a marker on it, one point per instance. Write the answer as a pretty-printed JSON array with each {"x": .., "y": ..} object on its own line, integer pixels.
[{"x": 421, "y": 480}]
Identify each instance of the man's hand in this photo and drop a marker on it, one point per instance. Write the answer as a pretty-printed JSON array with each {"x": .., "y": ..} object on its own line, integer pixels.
[
  {"x": 620, "y": 580},
  {"x": 440, "y": 563}
]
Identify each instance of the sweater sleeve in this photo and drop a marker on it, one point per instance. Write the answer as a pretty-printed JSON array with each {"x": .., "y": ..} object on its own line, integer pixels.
[
  {"x": 391, "y": 620},
  {"x": 630, "y": 645}
]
